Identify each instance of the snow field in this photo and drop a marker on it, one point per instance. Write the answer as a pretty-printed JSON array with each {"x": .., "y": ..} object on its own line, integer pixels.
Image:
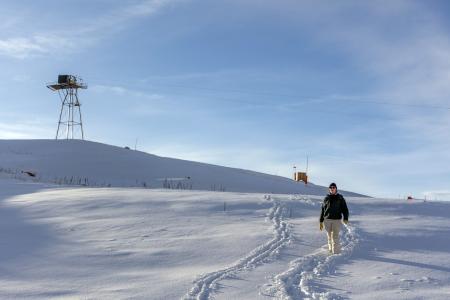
[
  {"x": 207, "y": 283},
  {"x": 106, "y": 243},
  {"x": 128, "y": 243}
]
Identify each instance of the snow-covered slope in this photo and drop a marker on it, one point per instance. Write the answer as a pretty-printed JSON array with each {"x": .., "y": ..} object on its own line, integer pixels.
[
  {"x": 128, "y": 243},
  {"x": 96, "y": 164}
]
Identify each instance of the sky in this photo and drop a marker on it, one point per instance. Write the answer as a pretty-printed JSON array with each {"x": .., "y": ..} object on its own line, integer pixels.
[{"x": 361, "y": 88}]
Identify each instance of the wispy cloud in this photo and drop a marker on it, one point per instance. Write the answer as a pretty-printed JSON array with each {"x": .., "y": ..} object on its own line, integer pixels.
[
  {"x": 25, "y": 130},
  {"x": 84, "y": 35},
  {"x": 411, "y": 61},
  {"x": 19, "y": 47},
  {"x": 30, "y": 47},
  {"x": 404, "y": 47},
  {"x": 138, "y": 102},
  {"x": 122, "y": 91}
]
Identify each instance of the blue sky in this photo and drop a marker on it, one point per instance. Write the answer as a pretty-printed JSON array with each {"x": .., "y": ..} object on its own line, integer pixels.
[{"x": 362, "y": 88}]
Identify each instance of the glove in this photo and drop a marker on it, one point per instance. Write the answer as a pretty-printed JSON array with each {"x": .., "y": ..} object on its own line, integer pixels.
[
  {"x": 346, "y": 222},
  {"x": 321, "y": 226}
]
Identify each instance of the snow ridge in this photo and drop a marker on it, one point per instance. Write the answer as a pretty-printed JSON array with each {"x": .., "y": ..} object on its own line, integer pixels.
[
  {"x": 298, "y": 281},
  {"x": 207, "y": 283}
]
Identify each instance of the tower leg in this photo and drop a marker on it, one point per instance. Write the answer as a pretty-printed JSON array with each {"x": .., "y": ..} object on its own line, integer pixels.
[
  {"x": 79, "y": 113},
  {"x": 60, "y": 114}
]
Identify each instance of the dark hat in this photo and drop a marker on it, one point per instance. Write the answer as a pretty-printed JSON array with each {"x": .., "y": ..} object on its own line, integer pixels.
[{"x": 332, "y": 185}]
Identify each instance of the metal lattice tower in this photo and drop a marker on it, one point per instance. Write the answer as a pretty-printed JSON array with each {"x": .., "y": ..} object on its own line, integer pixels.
[{"x": 70, "y": 114}]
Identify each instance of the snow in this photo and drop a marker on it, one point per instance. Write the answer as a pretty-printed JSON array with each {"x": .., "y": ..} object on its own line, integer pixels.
[
  {"x": 206, "y": 283},
  {"x": 79, "y": 162},
  {"x": 115, "y": 243},
  {"x": 86, "y": 242}
]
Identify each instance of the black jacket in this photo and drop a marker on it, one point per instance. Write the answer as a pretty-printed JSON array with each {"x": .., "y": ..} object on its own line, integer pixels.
[{"x": 333, "y": 207}]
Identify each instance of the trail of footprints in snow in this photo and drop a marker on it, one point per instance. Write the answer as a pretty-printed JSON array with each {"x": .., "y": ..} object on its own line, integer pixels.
[
  {"x": 206, "y": 283},
  {"x": 298, "y": 281}
]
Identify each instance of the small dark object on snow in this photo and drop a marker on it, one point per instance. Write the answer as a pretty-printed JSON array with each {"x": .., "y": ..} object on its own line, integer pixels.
[
  {"x": 32, "y": 174},
  {"x": 410, "y": 198}
]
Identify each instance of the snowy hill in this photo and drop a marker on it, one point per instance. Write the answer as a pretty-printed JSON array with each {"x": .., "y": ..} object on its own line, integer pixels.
[
  {"x": 79, "y": 162},
  {"x": 127, "y": 243}
]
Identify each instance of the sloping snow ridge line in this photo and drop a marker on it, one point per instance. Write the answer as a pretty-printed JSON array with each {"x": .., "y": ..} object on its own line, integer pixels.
[
  {"x": 206, "y": 283},
  {"x": 298, "y": 281}
]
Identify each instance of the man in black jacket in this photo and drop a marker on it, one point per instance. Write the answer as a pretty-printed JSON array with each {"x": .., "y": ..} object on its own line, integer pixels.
[{"x": 333, "y": 208}]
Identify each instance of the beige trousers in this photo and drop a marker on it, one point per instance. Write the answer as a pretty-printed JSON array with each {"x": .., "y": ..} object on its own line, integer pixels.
[{"x": 332, "y": 227}]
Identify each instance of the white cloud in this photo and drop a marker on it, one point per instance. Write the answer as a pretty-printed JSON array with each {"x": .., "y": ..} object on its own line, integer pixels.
[
  {"x": 145, "y": 8},
  {"x": 20, "y": 47},
  {"x": 122, "y": 91},
  {"x": 138, "y": 102},
  {"x": 83, "y": 35},
  {"x": 26, "y": 130},
  {"x": 403, "y": 45}
]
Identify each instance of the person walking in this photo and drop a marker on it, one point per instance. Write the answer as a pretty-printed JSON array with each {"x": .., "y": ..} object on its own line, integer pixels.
[{"x": 333, "y": 208}]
